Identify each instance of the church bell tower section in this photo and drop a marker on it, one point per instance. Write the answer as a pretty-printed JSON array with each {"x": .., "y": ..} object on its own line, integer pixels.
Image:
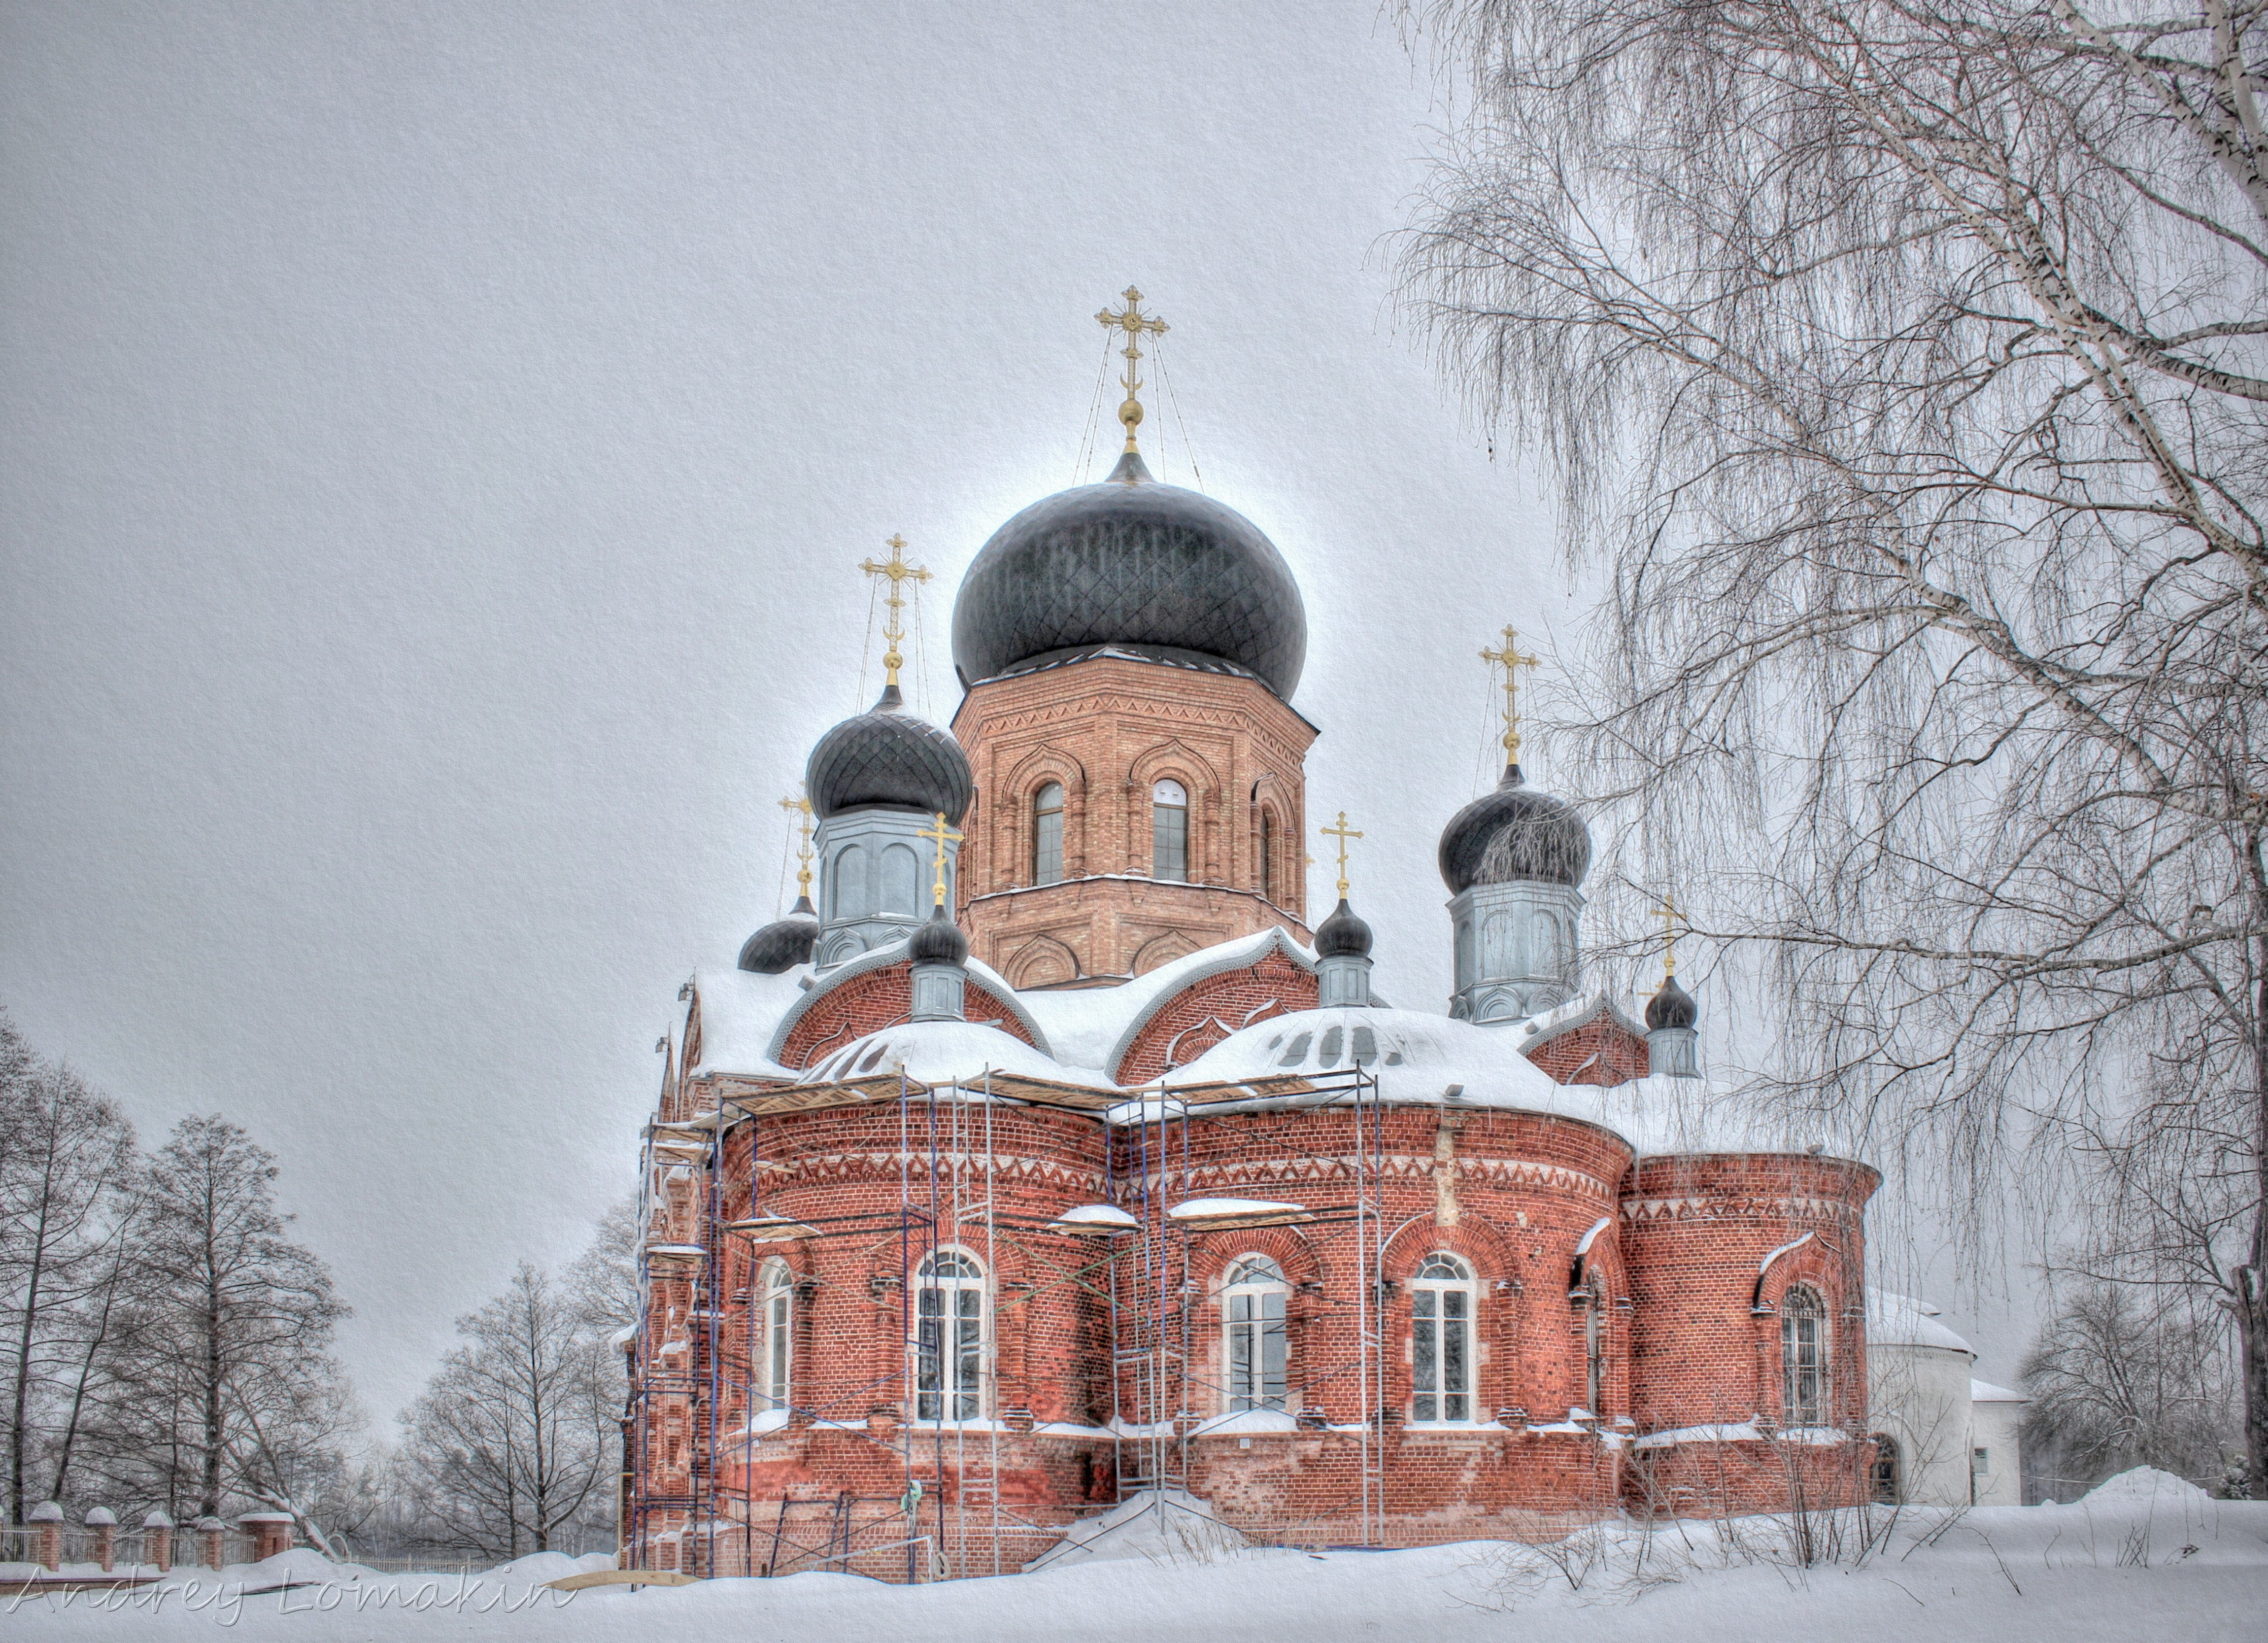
[
  {"x": 1130, "y": 649},
  {"x": 1128, "y": 811}
]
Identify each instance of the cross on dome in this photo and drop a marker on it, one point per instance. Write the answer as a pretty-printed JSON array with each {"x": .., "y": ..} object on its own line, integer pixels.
[
  {"x": 800, "y": 807},
  {"x": 943, "y": 835},
  {"x": 1135, "y": 325},
  {"x": 1669, "y": 914},
  {"x": 899, "y": 573},
  {"x": 1509, "y": 657},
  {"x": 1342, "y": 833}
]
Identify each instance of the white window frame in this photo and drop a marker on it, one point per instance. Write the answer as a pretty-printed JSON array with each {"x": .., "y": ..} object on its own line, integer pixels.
[
  {"x": 1254, "y": 1304},
  {"x": 1168, "y": 798},
  {"x": 774, "y": 1335},
  {"x": 950, "y": 1386},
  {"x": 1801, "y": 1305},
  {"x": 1041, "y": 814},
  {"x": 1444, "y": 1303}
]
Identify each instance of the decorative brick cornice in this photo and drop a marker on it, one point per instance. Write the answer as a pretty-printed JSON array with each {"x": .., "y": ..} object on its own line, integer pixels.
[{"x": 1744, "y": 1207}]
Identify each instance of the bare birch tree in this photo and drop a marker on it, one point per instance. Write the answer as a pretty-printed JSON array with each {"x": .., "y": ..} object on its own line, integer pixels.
[
  {"x": 1907, "y": 369},
  {"x": 65, "y": 1153},
  {"x": 234, "y": 1390},
  {"x": 510, "y": 1442}
]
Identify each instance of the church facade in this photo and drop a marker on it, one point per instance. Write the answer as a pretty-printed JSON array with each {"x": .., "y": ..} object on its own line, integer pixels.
[{"x": 1050, "y": 1161}]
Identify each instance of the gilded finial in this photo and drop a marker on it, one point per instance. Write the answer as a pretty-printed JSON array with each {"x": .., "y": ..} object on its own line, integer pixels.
[
  {"x": 1512, "y": 661},
  {"x": 944, "y": 836},
  {"x": 894, "y": 626},
  {"x": 801, "y": 807},
  {"x": 1669, "y": 914},
  {"x": 1135, "y": 325},
  {"x": 1342, "y": 833}
]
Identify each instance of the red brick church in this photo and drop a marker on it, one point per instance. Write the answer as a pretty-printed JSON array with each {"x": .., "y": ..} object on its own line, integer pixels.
[{"x": 1047, "y": 1159}]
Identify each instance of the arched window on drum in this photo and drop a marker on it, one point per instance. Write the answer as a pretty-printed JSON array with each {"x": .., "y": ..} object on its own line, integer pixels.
[
  {"x": 1803, "y": 1357},
  {"x": 1169, "y": 831},
  {"x": 1047, "y": 835},
  {"x": 1443, "y": 1300},
  {"x": 949, "y": 1338},
  {"x": 1256, "y": 1348}
]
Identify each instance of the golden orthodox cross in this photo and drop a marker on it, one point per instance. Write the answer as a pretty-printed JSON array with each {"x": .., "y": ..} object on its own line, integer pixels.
[
  {"x": 1136, "y": 324},
  {"x": 801, "y": 807},
  {"x": 1512, "y": 661},
  {"x": 1342, "y": 833},
  {"x": 1669, "y": 914},
  {"x": 899, "y": 573},
  {"x": 944, "y": 836}
]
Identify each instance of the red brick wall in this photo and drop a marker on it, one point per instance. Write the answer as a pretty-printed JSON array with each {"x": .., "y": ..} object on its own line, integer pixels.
[
  {"x": 1229, "y": 999},
  {"x": 1106, "y": 729},
  {"x": 1600, "y": 1052},
  {"x": 1512, "y": 1194},
  {"x": 876, "y": 998}
]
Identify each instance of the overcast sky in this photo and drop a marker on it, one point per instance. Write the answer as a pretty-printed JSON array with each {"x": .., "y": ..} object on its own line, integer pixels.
[{"x": 440, "y": 440}]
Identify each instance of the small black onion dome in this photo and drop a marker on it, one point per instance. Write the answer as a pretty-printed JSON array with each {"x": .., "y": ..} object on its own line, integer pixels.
[
  {"x": 1512, "y": 833},
  {"x": 784, "y": 943},
  {"x": 1131, "y": 562},
  {"x": 1343, "y": 935},
  {"x": 1672, "y": 1006},
  {"x": 939, "y": 941},
  {"x": 888, "y": 759}
]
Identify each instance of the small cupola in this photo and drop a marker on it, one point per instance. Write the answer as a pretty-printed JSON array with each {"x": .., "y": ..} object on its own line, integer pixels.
[
  {"x": 1672, "y": 1043},
  {"x": 1342, "y": 958}
]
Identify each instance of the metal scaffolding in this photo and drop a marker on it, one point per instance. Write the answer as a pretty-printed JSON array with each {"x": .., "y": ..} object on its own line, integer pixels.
[{"x": 950, "y": 1518}]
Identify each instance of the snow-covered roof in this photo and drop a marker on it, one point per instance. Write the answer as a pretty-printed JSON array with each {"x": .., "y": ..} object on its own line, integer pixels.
[
  {"x": 1081, "y": 1033},
  {"x": 1902, "y": 1320},
  {"x": 945, "y": 1052},
  {"x": 1094, "y": 1027},
  {"x": 739, "y": 1010},
  {"x": 1986, "y": 1392}
]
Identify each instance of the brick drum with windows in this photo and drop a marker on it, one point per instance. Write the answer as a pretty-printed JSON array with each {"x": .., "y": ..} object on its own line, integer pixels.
[{"x": 1050, "y": 1158}]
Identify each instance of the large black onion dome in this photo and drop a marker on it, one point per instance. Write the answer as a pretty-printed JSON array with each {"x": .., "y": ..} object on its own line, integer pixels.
[
  {"x": 888, "y": 759},
  {"x": 1672, "y": 1006},
  {"x": 1135, "y": 563},
  {"x": 939, "y": 941},
  {"x": 1515, "y": 833},
  {"x": 1343, "y": 935},
  {"x": 784, "y": 943}
]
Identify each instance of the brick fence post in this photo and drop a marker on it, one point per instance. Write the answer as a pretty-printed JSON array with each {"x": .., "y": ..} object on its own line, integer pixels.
[
  {"x": 210, "y": 1532},
  {"x": 104, "y": 1522},
  {"x": 157, "y": 1541},
  {"x": 48, "y": 1519},
  {"x": 270, "y": 1532}
]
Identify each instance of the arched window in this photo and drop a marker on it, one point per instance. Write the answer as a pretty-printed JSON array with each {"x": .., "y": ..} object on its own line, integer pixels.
[
  {"x": 1252, "y": 1313},
  {"x": 1595, "y": 1347},
  {"x": 1442, "y": 1308},
  {"x": 1803, "y": 1357},
  {"x": 1169, "y": 831},
  {"x": 775, "y": 1334},
  {"x": 901, "y": 881},
  {"x": 1267, "y": 857},
  {"x": 853, "y": 896},
  {"x": 949, "y": 1338},
  {"x": 1047, "y": 834},
  {"x": 1888, "y": 1486}
]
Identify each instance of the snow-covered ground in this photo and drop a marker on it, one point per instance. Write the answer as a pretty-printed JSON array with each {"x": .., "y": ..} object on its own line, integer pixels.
[{"x": 2144, "y": 1558}]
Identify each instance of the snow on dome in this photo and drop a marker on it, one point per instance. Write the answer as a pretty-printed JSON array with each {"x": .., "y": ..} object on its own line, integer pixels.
[
  {"x": 1986, "y": 1392},
  {"x": 1902, "y": 1320},
  {"x": 945, "y": 1052}
]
